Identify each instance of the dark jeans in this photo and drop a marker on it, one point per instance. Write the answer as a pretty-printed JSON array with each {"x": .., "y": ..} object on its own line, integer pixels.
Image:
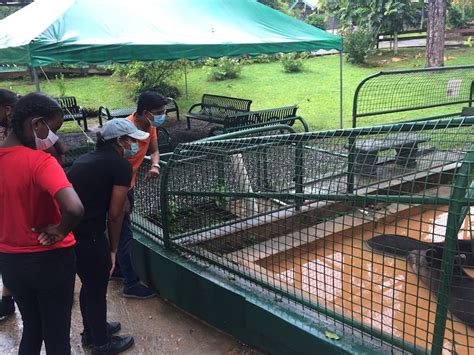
[
  {"x": 43, "y": 287},
  {"x": 124, "y": 261},
  {"x": 93, "y": 268}
]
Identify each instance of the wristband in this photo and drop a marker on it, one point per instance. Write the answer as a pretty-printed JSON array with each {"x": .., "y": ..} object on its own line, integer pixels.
[{"x": 156, "y": 166}]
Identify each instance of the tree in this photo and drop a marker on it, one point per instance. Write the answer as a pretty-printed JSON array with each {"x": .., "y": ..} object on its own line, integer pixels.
[
  {"x": 7, "y": 11},
  {"x": 375, "y": 16},
  {"x": 398, "y": 16},
  {"x": 275, "y": 4},
  {"x": 435, "y": 33}
]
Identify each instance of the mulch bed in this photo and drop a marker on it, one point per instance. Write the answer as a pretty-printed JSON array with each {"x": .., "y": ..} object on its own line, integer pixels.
[{"x": 178, "y": 131}]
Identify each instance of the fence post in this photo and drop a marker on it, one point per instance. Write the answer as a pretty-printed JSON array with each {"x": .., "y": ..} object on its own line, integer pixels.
[
  {"x": 164, "y": 204},
  {"x": 456, "y": 212}
]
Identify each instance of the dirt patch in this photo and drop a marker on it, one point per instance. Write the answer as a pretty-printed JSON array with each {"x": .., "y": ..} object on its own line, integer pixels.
[{"x": 177, "y": 129}]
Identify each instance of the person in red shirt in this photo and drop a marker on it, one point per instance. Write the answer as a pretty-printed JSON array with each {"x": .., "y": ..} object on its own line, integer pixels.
[
  {"x": 38, "y": 210},
  {"x": 8, "y": 100}
]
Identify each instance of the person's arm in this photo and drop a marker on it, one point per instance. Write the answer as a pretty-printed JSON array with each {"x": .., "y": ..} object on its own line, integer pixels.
[
  {"x": 115, "y": 219},
  {"x": 154, "y": 171},
  {"x": 71, "y": 214},
  {"x": 115, "y": 215},
  {"x": 58, "y": 151}
]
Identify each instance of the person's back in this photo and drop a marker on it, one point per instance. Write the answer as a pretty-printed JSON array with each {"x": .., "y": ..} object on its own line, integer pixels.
[
  {"x": 93, "y": 176},
  {"x": 32, "y": 177}
]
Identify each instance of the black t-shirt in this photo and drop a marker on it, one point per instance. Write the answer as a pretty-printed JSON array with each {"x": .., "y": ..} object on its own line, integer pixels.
[{"x": 93, "y": 176}]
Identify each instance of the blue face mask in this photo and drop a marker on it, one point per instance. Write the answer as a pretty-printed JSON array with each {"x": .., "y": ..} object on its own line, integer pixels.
[
  {"x": 127, "y": 153},
  {"x": 158, "y": 120}
]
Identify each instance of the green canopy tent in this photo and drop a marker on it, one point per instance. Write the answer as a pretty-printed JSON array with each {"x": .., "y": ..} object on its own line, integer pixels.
[{"x": 98, "y": 32}]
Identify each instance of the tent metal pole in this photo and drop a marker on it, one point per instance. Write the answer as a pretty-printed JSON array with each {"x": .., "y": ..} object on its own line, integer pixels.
[
  {"x": 340, "y": 90},
  {"x": 186, "y": 79},
  {"x": 34, "y": 77}
]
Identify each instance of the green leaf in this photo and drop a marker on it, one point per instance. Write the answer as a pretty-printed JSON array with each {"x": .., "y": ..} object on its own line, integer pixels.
[{"x": 331, "y": 335}]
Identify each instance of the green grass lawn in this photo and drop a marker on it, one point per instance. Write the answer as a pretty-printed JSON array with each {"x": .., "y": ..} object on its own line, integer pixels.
[{"x": 315, "y": 90}]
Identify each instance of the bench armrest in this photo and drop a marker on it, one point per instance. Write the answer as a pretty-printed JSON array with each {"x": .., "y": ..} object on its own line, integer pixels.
[
  {"x": 194, "y": 106},
  {"x": 104, "y": 112},
  {"x": 83, "y": 112}
]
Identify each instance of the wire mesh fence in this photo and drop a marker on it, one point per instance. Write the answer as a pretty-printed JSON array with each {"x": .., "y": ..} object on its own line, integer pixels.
[
  {"x": 411, "y": 94},
  {"x": 74, "y": 153},
  {"x": 367, "y": 231}
]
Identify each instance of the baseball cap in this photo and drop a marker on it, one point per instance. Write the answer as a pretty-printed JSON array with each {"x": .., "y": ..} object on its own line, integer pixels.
[{"x": 121, "y": 127}]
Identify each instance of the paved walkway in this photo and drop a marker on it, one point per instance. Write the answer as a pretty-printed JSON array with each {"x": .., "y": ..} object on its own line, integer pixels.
[{"x": 157, "y": 326}]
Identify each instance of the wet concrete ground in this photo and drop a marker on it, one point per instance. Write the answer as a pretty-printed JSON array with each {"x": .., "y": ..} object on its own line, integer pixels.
[{"x": 157, "y": 326}]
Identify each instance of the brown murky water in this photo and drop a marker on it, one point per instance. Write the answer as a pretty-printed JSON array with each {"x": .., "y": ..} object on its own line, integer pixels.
[{"x": 344, "y": 275}]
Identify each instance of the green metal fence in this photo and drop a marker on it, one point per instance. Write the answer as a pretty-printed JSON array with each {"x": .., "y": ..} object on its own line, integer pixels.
[
  {"x": 292, "y": 214},
  {"x": 410, "y": 94}
]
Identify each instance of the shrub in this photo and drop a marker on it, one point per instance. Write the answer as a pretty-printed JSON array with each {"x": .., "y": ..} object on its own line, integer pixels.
[
  {"x": 91, "y": 111},
  {"x": 151, "y": 76},
  {"x": 61, "y": 84},
  {"x": 358, "y": 45},
  {"x": 262, "y": 58},
  {"x": 291, "y": 63},
  {"x": 316, "y": 20},
  {"x": 454, "y": 18},
  {"x": 223, "y": 68},
  {"x": 276, "y": 4}
]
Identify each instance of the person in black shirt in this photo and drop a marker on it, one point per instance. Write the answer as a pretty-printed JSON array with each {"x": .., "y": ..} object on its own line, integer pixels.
[{"x": 102, "y": 179}]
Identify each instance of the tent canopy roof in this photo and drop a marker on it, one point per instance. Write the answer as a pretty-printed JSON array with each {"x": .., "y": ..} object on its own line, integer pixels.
[{"x": 95, "y": 32}]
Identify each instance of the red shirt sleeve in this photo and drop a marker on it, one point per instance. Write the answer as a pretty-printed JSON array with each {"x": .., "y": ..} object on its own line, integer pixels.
[
  {"x": 153, "y": 134},
  {"x": 50, "y": 176}
]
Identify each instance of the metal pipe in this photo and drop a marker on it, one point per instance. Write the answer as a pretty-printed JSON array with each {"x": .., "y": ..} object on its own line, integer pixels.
[
  {"x": 340, "y": 91},
  {"x": 34, "y": 77}
]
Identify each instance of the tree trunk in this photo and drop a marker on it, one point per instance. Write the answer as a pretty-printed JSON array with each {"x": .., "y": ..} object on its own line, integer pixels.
[{"x": 435, "y": 33}]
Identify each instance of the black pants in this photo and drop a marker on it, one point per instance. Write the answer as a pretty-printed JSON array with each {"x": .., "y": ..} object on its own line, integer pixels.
[
  {"x": 93, "y": 268},
  {"x": 43, "y": 287}
]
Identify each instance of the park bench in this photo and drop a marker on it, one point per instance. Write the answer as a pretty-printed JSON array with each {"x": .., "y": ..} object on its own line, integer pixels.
[
  {"x": 253, "y": 119},
  {"x": 366, "y": 151},
  {"x": 216, "y": 109},
  {"x": 72, "y": 111}
]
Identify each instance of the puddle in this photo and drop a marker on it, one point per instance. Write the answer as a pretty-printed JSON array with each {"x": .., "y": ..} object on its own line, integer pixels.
[{"x": 344, "y": 275}]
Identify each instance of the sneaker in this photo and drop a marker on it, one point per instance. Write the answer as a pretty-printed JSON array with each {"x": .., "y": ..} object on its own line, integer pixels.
[
  {"x": 115, "y": 345},
  {"x": 139, "y": 291},
  {"x": 7, "y": 308},
  {"x": 112, "y": 328}
]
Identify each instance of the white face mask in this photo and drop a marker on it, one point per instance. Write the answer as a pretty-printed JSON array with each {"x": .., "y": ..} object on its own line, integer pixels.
[{"x": 48, "y": 142}]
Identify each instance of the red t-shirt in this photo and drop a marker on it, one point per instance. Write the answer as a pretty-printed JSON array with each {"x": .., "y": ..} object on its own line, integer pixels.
[{"x": 29, "y": 179}]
